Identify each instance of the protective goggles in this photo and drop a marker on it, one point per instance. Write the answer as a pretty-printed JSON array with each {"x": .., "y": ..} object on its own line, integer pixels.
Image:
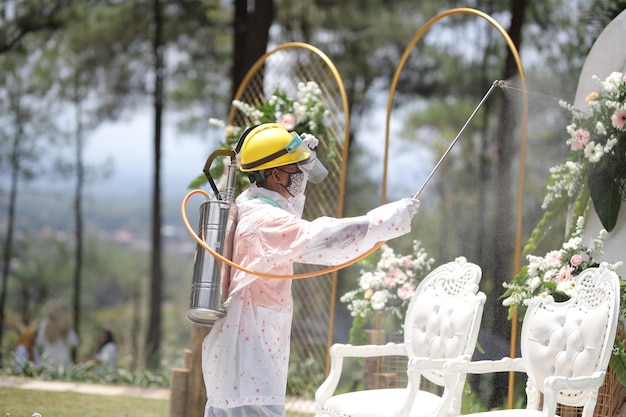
[{"x": 312, "y": 166}]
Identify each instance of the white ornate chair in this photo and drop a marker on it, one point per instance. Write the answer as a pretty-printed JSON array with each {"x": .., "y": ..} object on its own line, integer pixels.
[
  {"x": 442, "y": 322},
  {"x": 565, "y": 349}
]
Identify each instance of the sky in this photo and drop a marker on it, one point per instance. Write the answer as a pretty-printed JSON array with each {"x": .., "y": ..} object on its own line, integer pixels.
[{"x": 129, "y": 144}]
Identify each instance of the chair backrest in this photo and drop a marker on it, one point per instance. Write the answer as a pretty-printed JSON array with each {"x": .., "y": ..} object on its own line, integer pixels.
[
  {"x": 572, "y": 338},
  {"x": 444, "y": 316}
]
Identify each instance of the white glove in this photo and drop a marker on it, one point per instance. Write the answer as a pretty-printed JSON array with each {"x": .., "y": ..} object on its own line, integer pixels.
[
  {"x": 412, "y": 205},
  {"x": 309, "y": 140}
]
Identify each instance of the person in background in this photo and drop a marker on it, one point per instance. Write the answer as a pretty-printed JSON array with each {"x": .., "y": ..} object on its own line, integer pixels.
[
  {"x": 245, "y": 356},
  {"x": 26, "y": 352},
  {"x": 106, "y": 355},
  {"x": 56, "y": 338}
]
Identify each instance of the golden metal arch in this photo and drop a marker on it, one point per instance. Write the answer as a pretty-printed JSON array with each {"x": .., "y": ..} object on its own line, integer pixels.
[
  {"x": 522, "y": 156},
  {"x": 314, "y": 299}
]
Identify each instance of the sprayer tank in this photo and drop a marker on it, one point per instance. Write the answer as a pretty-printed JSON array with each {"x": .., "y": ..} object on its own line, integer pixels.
[{"x": 211, "y": 277}]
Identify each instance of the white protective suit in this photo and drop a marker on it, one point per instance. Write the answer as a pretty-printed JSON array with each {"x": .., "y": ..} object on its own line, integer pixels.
[{"x": 245, "y": 355}]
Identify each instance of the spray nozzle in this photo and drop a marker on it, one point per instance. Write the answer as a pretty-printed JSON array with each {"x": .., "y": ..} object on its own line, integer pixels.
[{"x": 499, "y": 83}]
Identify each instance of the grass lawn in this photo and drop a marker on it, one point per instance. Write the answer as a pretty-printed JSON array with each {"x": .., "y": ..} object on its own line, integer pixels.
[{"x": 16, "y": 402}]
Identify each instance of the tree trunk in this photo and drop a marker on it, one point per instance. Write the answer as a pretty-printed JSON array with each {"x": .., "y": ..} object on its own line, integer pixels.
[
  {"x": 78, "y": 219},
  {"x": 153, "y": 340},
  {"x": 504, "y": 232},
  {"x": 251, "y": 35},
  {"x": 7, "y": 252}
]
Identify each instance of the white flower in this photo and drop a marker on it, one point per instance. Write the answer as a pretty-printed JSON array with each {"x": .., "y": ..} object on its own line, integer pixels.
[
  {"x": 612, "y": 82},
  {"x": 534, "y": 283},
  {"x": 379, "y": 299},
  {"x": 348, "y": 297},
  {"x": 610, "y": 144},
  {"x": 566, "y": 286},
  {"x": 612, "y": 104},
  {"x": 359, "y": 308},
  {"x": 217, "y": 122},
  {"x": 594, "y": 106},
  {"x": 575, "y": 242},
  {"x": 567, "y": 106},
  {"x": 371, "y": 280},
  {"x": 593, "y": 152}
]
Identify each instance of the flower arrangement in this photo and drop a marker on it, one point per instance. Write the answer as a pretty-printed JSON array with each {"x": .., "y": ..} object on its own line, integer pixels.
[
  {"x": 303, "y": 114},
  {"x": 387, "y": 285},
  {"x": 555, "y": 272},
  {"x": 597, "y": 159},
  {"x": 595, "y": 170}
]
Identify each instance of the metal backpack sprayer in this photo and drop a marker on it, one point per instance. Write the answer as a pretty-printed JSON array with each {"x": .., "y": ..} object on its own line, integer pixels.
[{"x": 218, "y": 219}]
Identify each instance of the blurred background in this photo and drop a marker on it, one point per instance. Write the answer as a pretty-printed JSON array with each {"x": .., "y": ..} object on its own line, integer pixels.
[{"x": 104, "y": 122}]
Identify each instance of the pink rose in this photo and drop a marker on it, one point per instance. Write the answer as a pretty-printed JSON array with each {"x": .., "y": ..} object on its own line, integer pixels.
[
  {"x": 406, "y": 291},
  {"x": 619, "y": 119},
  {"x": 408, "y": 262},
  {"x": 576, "y": 259},
  {"x": 554, "y": 256},
  {"x": 288, "y": 121},
  {"x": 391, "y": 277},
  {"x": 580, "y": 139},
  {"x": 565, "y": 274}
]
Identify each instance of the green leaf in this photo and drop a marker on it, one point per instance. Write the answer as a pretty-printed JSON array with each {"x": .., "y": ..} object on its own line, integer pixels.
[
  {"x": 197, "y": 182},
  {"x": 560, "y": 296},
  {"x": 357, "y": 334},
  {"x": 605, "y": 194},
  {"x": 618, "y": 362}
]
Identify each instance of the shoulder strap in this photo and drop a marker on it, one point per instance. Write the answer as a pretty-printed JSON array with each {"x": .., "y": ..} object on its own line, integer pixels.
[{"x": 267, "y": 200}]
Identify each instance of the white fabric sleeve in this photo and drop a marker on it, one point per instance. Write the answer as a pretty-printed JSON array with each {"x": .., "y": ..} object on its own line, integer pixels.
[{"x": 331, "y": 241}]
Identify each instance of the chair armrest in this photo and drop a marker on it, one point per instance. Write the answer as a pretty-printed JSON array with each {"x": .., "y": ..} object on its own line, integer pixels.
[
  {"x": 418, "y": 363},
  {"x": 367, "y": 351},
  {"x": 340, "y": 351},
  {"x": 559, "y": 383},
  {"x": 454, "y": 370},
  {"x": 456, "y": 366},
  {"x": 552, "y": 385}
]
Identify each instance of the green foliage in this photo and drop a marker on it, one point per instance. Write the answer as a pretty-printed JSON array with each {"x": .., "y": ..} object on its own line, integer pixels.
[
  {"x": 471, "y": 402},
  {"x": 618, "y": 358},
  {"x": 90, "y": 372},
  {"x": 300, "y": 383},
  {"x": 605, "y": 193},
  {"x": 357, "y": 334},
  {"x": 16, "y": 402}
]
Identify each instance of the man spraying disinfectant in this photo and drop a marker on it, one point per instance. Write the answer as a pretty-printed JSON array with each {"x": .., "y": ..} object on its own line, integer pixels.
[{"x": 245, "y": 356}]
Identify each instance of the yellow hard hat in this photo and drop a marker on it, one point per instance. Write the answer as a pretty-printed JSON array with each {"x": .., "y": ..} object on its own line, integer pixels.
[{"x": 270, "y": 145}]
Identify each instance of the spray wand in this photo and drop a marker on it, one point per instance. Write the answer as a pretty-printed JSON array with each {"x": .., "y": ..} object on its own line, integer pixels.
[{"x": 496, "y": 83}]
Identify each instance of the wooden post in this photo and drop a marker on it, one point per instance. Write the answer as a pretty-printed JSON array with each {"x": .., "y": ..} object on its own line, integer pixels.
[
  {"x": 372, "y": 366},
  {"x": 178, "y": 392},
  {"x": 196, "y": 393},
  {"x": 187, "y": 353}
]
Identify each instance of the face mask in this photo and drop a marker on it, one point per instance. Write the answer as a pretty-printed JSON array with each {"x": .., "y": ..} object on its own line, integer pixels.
[{"x": 297, "y": 184}]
